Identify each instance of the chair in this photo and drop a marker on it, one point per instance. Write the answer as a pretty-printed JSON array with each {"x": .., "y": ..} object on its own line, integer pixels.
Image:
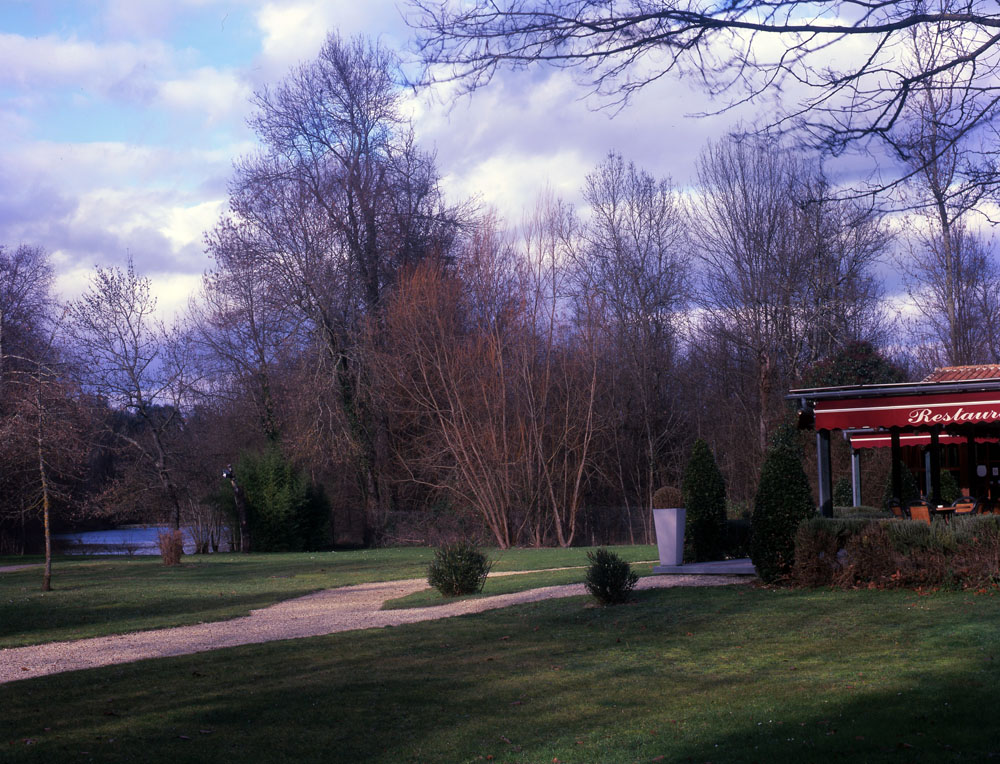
[
  {"x": 897, "y": 509},
  {"x": 920, "y": 511},
  {"x": 966, "y": 505}
]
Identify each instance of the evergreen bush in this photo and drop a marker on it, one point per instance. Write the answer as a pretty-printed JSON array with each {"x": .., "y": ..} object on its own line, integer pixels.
[
  {"x": 911, "y": 491},
  {"x": 843, "y": 493},
  {"x": 704, "y": 491},
  {"x": 459, "y": 568},
  {"x": 285, "y": 512},
  {"x": 609, "y": 578},
  {"x": 783, "y": 500},
  {"x": 949, "y": 487}
]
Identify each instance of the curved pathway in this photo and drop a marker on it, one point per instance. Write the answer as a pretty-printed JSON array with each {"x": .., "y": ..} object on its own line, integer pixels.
[{"x": 343, "y": 609}]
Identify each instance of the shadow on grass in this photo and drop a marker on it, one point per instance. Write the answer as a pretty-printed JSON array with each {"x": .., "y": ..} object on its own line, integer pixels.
[{"x": 722, "y": 675}]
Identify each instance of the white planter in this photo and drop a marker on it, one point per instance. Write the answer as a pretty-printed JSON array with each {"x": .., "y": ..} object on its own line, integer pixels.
[{"x": 669, "y": 524}]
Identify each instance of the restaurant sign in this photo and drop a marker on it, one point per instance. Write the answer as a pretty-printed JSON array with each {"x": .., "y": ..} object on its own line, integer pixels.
[{"x": 920, "y": 411}]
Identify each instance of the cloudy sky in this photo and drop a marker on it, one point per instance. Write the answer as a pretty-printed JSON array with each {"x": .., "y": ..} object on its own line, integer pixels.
[{"x": 120, "y": 120}]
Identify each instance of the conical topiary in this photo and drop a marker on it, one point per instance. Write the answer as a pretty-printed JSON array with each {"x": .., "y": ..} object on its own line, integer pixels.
[
  {"x": 783, "y": 500},
  {"x": 704, "y": 492}
]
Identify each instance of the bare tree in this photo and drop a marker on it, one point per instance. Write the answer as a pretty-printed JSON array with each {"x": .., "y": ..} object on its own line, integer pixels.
[
  {"x": 557, "y": 367},
  {"x": 952, "y": 281},
  {"x": 948, "y": 272},
  {"x": 47, "y": 426},
  {"x": 633, "y": 285},
  {"x": 339, "y": 201},
  {"x": 787, "y": 277},
  {"x": 840, "y": 59},
  {"x": 451, "y": 389},
  {"x": 25, "y": 303},
  {"x": 130, "y": 359}
]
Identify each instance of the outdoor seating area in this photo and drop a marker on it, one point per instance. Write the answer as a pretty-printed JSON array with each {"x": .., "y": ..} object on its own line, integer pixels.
[{"x": 926, "y": 513}]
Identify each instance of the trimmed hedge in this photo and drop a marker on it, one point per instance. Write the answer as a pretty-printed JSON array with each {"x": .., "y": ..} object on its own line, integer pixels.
[{"x": 852, "y": 553}]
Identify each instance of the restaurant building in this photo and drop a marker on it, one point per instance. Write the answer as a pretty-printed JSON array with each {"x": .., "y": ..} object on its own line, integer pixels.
[{"x": 948, "y": 421}]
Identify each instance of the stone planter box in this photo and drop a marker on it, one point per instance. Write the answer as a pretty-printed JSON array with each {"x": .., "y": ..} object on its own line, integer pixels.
[{"x": 669, "y": 524}]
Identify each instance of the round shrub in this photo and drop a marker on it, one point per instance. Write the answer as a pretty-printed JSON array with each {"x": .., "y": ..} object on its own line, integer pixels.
[
  {"x": 783, "y": 500},
  {"x": 459, "y": 568},
  {"x": 668, "y": 496},
  {"x": 705, "y": 500},
  {"x": 609, "y": 578}
]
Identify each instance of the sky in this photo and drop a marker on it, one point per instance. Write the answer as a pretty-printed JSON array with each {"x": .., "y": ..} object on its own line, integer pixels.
[{"x": 120, "y": 121}]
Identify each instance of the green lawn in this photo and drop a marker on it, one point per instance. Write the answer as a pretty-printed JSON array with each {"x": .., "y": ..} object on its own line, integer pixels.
[
  {"x": 734, "y": 674},
  {"x": 95, "y": 596}
]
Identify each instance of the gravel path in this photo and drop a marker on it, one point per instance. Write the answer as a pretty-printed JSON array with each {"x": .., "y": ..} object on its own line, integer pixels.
[{"x": 332, "y": 610}]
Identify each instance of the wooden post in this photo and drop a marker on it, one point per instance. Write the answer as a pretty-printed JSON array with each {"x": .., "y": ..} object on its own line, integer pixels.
[
  {"x": 825, "y": 473},
  {"x": 897, "y": 475},
  {"x": 935, "y": 497},
  {"x": 856, "y": 476}
]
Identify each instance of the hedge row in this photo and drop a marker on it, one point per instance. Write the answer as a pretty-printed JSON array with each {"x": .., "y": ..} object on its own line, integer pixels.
[{"x": 848, "y": 553}]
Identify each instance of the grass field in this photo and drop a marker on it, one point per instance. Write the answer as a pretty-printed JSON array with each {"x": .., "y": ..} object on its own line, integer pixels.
[
  {"x": 97, "y": 596},
  {"x": 733, "y": 674}
]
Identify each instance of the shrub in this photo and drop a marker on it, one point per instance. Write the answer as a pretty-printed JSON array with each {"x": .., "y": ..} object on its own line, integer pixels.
[
  {"x": 783, "y": 500},
  {"x": 705, "y": 500},
  {"x": 911, "y": 491},
  {"x": 949, "y": 487},
  {"x": 894, "y": 553},
  {"x": 843, "y": 493},
  {"x": 816, "y": 561},
  {"x": 459, "y": 568},
  {"x": 171, "y": 546},
  {"x": 285, "y": 512},
  {"x": 668, "y": 496},
  {"x": 609, "y": 578}
]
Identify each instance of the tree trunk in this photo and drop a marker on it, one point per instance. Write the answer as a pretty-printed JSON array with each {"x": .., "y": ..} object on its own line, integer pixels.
[{"x": 47, "y": 576}]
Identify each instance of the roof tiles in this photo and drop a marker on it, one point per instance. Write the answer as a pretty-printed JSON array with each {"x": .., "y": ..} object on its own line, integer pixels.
[{"x": 963, "y": 373}]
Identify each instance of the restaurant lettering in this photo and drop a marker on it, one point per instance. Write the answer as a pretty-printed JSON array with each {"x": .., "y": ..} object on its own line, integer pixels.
[{"x": 929, "y": 416}]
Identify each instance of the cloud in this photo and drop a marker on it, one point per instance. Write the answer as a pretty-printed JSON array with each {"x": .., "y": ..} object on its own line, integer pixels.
[
  {"x": 116, "y": 69},
  {"x": 90, "y": 204},
  {"x": 293, "y": 32},
  {"x": 219, "y": 95}
]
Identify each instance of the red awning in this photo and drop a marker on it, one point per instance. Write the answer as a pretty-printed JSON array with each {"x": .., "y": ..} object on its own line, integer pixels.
[
  {"x": 884, "y": 439},
  {"x": 918, "y": 411}
]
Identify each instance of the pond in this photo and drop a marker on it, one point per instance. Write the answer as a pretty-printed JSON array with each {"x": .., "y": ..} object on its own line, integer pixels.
[{"x": 127, "y": 540}]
